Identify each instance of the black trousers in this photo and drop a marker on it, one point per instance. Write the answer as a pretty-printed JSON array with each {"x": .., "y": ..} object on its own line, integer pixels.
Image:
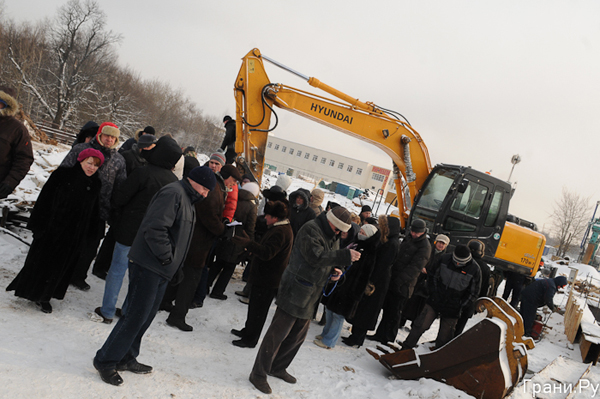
[
  {"x": 258, "y": 310},
  {"x": 422, "y": 324},
  {"x": 224, "y": 271},
  {"x": 184, "y": 292},
  {"x": 104, "y": 256},
  {"x": 390, "y": 321},
  {"x": 88, "y": 252}
]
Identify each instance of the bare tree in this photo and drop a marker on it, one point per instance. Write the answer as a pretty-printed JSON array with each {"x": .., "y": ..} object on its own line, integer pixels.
[
  {"x": 80, "y": 50},
  {"x": 569, "y": 219}
]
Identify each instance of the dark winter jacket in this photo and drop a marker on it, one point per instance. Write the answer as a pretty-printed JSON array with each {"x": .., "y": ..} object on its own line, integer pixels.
[
  {"x": 229, "y": 141},
  {"x": 245, "y": 213},
  {"x": 133, "y": 159},
  {"x": 189, "y": 163},
  {"x": 90, "y": 129},
  {"x": 299, "y": 215},
  {"x": 16, "y": 155},
  {"x": 112, "y": 172},
  {"x": 421, "y": 285},
  {"x": 369, "y": 307},
  {"x": 413, "y": 255},
  {"x": 165, "y": 235},
  {"x": 61, "y": 220},
  {"x": 350, "y": 289},
  {"x": 314, "y": 255},
  {"x": 127, "y": 145},
  {"x": 452, "y": 288},
  {"x": 133, "y": 197},
  {"x": 270, "y": 257},
  {"x": 485, "y": 277},
  {"x": 209, "y": 225},
  {"x": 541, "y": 292}
]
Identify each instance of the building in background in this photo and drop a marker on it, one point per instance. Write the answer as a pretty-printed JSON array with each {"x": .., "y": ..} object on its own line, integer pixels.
[{"x": 298, "y": 160}]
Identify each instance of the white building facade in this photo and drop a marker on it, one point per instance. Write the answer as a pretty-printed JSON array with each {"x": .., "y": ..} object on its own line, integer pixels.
[{"x": 297, "y": 160}]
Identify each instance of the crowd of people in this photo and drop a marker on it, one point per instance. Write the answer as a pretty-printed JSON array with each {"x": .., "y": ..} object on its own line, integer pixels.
[{"x": 179, "y": 229}]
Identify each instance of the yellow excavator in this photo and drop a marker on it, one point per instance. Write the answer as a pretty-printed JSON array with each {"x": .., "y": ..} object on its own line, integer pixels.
[{"x": 455, "y": 200}]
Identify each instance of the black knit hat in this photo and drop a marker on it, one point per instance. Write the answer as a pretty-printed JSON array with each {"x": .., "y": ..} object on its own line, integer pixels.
[
  {"x": 418, "y": 226},
  {"x": 462, "y": 255},
  {"x": 149, "y": 130},
  {"x": 366, "y": 208},
  {"x": 226, "y": 118},
  {"x": 204, "y": 176}
]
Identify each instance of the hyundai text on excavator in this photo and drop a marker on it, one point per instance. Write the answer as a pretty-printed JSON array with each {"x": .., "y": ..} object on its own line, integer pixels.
[{"x": 458, "y": 201}]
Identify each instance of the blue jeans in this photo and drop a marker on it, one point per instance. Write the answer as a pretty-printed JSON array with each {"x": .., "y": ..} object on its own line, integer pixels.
[
  {"x": 114, "y": 280},
  {"x": 146, "y": 290},
  {"x": 333, "y": 327}
]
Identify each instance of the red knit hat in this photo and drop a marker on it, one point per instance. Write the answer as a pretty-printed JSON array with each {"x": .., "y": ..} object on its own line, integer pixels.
[{"x": 90, "y": 152}]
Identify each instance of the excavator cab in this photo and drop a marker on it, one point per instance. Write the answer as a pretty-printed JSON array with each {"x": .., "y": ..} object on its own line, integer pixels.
[{"x": 463, "y": 203}]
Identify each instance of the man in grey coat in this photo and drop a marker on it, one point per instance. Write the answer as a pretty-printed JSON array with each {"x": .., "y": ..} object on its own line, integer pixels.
[
  {"x": 315, "y": 258},
  {"x": 158, "y": 251}
]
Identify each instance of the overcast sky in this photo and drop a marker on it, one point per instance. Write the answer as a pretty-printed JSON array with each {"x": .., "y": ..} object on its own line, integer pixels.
[{"x": 479, "y": 80}]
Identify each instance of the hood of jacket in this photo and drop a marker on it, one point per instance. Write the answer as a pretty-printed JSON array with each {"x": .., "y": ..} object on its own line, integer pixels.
[
  {"x": 299, "y": 193},
  {"x": 245, "y": 195},
  {"x": 12, "y": 105},
  {"x": 317, "y": 196},
  {"x": 165, "y": 154}
]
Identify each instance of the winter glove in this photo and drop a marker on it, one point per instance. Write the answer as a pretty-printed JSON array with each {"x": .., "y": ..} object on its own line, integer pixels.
[
  {"x": 370, "y": 289},
  {"x": 5, "y": 190}
]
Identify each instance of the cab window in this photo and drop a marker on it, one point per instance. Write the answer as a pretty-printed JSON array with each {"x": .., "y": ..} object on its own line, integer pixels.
[
  {"x": 492, "y": 215},
  {"x": 470, "y": 203}
]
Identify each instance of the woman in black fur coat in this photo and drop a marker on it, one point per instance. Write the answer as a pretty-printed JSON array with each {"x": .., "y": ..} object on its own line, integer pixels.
[{"x": 60, "y": 220}]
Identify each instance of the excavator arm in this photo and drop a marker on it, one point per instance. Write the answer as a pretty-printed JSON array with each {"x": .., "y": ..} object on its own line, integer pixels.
[{"x": 256, "y": 95}]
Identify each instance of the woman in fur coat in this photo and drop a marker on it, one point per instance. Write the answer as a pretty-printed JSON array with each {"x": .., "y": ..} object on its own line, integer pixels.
[{"x": 61, "y": 218}]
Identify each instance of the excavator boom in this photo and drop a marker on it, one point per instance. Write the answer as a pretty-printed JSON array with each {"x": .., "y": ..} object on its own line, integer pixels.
[{"x": 256, "y": 96}]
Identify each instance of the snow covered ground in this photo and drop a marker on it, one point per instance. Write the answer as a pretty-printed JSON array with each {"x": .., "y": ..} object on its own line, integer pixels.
[{"x": 50, "y": 355}]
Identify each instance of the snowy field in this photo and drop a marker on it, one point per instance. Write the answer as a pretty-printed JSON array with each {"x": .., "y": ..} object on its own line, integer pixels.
[{"x": 50, "y": 355}]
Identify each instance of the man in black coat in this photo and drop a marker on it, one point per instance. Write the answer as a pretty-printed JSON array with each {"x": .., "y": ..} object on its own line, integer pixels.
[
  {"x": 453, "y": 285},
  {"x": 477, "y": 250},
  {"x": 134, "y": 158},
  {"x": 157, "y": 253},
  {"x": 270, "y": 257},
  {"x": 413, "y": 307},
  {"x": 229, "y": 139},
  {"x": 537, "y": 294},
  {"x": 132, "y": 199},
  {"x": 413, "y": 254}
]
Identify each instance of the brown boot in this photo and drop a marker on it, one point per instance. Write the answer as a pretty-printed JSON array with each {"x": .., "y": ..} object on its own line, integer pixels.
[{"x": 260, "y": 383}]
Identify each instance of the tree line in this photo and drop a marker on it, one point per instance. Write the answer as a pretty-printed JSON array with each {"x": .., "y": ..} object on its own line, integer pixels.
[{"x": 66, "y": 71}]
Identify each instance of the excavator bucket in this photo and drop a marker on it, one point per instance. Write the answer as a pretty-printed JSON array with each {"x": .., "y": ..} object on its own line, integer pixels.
[{"x": 486, "y": 361}]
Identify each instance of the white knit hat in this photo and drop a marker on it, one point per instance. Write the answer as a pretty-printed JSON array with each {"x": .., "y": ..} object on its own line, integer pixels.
[
  {"x": 340, "y": 218},
  {"x": 367, "y": 231}
]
